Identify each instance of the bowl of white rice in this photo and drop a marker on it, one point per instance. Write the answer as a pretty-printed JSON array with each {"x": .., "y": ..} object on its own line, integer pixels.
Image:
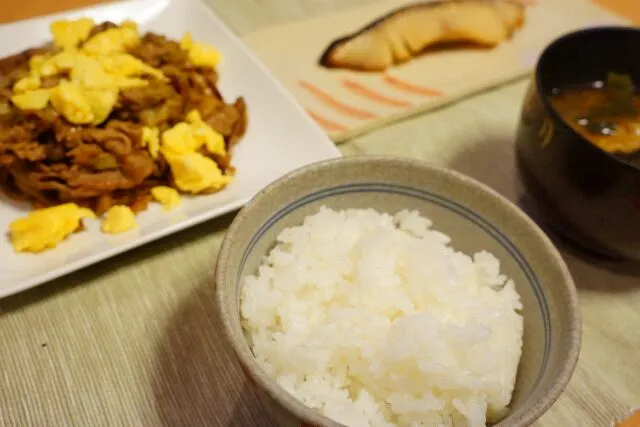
[{"x": 380, "y": 291}]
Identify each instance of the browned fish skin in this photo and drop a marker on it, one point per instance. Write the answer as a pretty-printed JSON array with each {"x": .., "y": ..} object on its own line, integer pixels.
[{"x": 404, "y": 33}]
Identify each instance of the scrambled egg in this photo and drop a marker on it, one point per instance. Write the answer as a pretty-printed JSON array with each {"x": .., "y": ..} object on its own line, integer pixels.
[
  {"x": 97, "y": 71},
  {"x": 45, "y": 228},
  {"x": 33, "y": 100},
  {"x": 200, "y": 54},
  {"x": 87, "y": 72},
  {"x": 168, "y": 196},
  {"x": 98, "y": 68},
  {"x": 193, "y": 172},
  {"x": 58, "y": 63},
  {"x": 191, "y": 135},
  {"x": 113, "y": 40},
  {"x": 68, "y": 34},
  {"x": 125, "y": 65},
  {"x": 36, "y": 61},
  {"x": 25, "y": 84},
  {"x": 119, "y": 219},
  {"x": 151, "y": 140},
  {"x": 82, "y": 106}
]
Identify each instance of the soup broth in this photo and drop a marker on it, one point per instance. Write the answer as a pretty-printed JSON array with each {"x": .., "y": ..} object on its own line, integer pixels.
[{"x": 607, "y": 113}]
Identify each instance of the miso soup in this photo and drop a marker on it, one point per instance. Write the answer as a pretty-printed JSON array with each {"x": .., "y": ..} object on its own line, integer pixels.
[{"x": 607, "y": 113}]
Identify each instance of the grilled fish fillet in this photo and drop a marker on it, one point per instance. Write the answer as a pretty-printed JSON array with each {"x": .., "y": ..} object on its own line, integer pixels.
[{"x": 404, "y": 33}]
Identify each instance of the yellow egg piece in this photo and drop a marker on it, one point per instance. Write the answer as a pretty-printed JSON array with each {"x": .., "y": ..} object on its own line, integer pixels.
[
  {"x": 195, "y": 173},
  {"x": 190, "y": 136},
  {"x": 168, "y": 196},
  {"x": 179, "y": 140},
  {"x": 193, "y": 116},
  {"x": 186, "y": 42},
  {"x": 113, "y": 40},
  {"x": 151, "y": 140},
  {"x": 132, "y": 25},
  {"x": 125, "y": 65},
  {"x": 96, "y": 72},
  {"x": 119, "y": 219},
  {"x": 202, "y": 132},
  {"x": 45, "y": 228},
  {"x": 83, "y": 106},
  {"x": 101, "y": 103},
  {"x": 25, "y": 84},
  {"x": 88, "y": 72},
  {"x": 32, "y": 100},
  {"x": 58, "y": 63},
  {"x": 69, "y": 100},
  {"x": 68, "y": 34},
  {"x": 36, "y": 62},
  {"x": 91, "y": 72},
  {"x": 213, "y": 140},
  {"x": 200, "y": 54}
]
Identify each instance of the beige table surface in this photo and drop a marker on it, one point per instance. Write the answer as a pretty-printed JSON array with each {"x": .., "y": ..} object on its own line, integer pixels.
[{"x": 133, "y": 341}]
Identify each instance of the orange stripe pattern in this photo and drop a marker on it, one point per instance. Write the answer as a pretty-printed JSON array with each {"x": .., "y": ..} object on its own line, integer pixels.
[
  {"x": 629, "y": 9},
  {"x": 362, "y": 90},
  {"x": 632, "y": 421},
  {"x": 327, "y": 124},
  {"x": 330, "y": 101},
  {"x": 403, "y": 86}
]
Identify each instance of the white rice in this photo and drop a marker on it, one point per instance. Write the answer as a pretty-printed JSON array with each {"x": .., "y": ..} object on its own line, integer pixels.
[{"x": 374, "y": 320}]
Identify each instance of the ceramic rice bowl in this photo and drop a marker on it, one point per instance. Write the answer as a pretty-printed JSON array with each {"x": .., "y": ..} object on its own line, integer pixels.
[{"x": 474, "y": 216}]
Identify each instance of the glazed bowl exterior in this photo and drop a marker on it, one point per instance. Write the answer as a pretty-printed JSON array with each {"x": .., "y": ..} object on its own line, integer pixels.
[{"x": 584, "y": 192}]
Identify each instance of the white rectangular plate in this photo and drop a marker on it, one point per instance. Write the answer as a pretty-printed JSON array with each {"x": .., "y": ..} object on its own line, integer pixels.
[{"x": 280, "y": 138}]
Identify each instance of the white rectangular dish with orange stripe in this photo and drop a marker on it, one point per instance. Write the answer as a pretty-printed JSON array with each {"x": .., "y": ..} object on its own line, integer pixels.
[{"x": 347, "y": 103}]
